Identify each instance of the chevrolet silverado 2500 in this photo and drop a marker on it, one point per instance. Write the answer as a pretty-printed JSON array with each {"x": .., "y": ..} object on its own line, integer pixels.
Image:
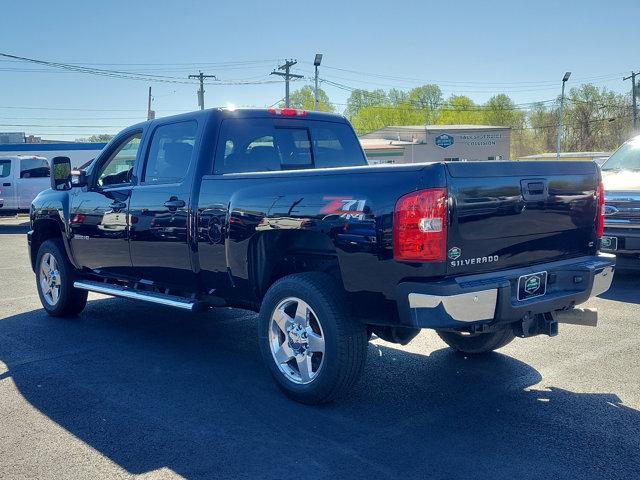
[{"x": 277, "y": 211}]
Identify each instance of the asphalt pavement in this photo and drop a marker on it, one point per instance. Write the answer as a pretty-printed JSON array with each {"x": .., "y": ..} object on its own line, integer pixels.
[{"x": 128, "y": 389}]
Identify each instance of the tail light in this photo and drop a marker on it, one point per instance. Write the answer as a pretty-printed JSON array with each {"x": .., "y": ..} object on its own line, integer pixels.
[
  {"x": 420, "y": 226},
  {"x": 600, "y": 216}
]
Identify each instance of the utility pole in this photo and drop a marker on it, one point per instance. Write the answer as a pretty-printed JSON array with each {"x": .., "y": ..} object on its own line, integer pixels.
[
  {"x": 201, "y": 76},
  {"x": 287, "y": 76},
  {"x": 316, "y": 63},
  {"x": 634, "y": 94},
  {"x": 561, "y": 118},
  {"x": 150, "y": 113}
]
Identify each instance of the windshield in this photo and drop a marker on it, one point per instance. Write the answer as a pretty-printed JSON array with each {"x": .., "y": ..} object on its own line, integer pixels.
[{"x": 627, "y": 157}]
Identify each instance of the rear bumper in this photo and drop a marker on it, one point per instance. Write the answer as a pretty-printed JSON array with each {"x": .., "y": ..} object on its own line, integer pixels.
[
  {"x": 628, "y": 251},
  {"x": 492, "y": 297}
]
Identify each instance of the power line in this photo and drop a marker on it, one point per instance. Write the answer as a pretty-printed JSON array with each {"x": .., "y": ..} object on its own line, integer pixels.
[
  {"x": 458, "y": 83},
  {"x": 125, "y": 74}
]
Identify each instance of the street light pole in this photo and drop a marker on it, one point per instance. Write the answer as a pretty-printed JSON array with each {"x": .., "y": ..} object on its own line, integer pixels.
[
  {"x": 634, "y": 107},
  {"x": 316, "y": 63},
  {"x": 564, "y": 80}
]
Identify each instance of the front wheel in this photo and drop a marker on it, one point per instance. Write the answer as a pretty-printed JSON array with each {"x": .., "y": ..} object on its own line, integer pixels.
[
  {"x": 477, "y": 344},
  {"x": 314, "y": 350},
  {"x": 55, "y": 276}
]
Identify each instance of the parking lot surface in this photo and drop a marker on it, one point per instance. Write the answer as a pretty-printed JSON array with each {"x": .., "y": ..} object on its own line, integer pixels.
[{"x": 128, "y": 389}]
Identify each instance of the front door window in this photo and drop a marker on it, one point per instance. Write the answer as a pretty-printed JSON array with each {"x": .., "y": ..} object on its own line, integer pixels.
[{"x": 119, "y": 168}]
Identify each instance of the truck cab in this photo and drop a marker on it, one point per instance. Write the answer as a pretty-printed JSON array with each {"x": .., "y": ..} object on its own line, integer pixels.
[{"x": 22, "y": 177}]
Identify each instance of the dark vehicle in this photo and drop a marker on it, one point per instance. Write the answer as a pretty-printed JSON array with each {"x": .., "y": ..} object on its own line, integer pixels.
[
  {"x": 277, "y": 211},
  {"x": 621, "y": 177}
]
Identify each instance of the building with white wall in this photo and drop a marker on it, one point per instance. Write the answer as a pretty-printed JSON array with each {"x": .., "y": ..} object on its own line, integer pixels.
[{"x": 435, "y": 143}]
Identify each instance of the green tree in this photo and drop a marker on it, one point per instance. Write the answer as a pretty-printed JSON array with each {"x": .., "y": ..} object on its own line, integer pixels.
[
  {"x": 374, "y": 117},
  {"x": 97, "y": 138},
  {"x": 460, "y": 110},
  {"x": 428, "y": 99},
  {"x": 303, "y": 98},
  {"x": 501, "y": 111},
  {"x": 365, "y": 98},
  {"x": 595, "y": 119},
  {"x": 397, "y": 97}
]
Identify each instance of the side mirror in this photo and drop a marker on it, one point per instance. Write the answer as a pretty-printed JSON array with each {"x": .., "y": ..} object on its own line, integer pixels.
[
  {"x": 60, "y": 173},
  {"x": 79, "y": 178}
]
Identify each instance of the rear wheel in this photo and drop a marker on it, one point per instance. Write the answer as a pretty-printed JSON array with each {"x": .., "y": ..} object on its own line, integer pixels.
[
  {"x": 314, "y": 350},
  {"x": 477, "y": 344},
  {"x": 55, "y": 276}
]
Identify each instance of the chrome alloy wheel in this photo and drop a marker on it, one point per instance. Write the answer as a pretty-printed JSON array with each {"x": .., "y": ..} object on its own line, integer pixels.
[
  {"x": 296, "y": 340},
  {"x": 49, "y": 277}
]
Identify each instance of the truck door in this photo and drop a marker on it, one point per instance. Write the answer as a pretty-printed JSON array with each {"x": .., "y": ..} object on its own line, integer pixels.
[
  {"x": 8, "y": 198},
  {"x": 99, "y": 212},
  {"x": 159, "y": 208}
]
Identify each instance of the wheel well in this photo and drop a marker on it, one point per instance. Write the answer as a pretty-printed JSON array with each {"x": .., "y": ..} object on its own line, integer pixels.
[
  {"x": 273, "y": 255},
  {"x": 42, "y": 230}
]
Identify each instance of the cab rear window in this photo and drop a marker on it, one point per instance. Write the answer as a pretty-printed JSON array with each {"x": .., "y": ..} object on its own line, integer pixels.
[{"x": 263, "y": 145}]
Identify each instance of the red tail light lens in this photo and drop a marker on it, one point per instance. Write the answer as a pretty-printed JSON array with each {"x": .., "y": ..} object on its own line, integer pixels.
[
  {"x": 288, "y": 112},
  {"x": 600, "y": 217},
  {"x": 420, "y": 226}
]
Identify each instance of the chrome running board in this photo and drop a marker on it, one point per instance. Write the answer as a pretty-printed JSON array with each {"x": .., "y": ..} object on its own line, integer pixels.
[{"x": 174, "y": 301}]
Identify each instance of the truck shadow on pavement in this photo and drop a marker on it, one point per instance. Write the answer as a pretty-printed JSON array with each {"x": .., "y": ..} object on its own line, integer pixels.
[
  {"x": 149, "y": 388},
  {"x": 14, "y": 229}
]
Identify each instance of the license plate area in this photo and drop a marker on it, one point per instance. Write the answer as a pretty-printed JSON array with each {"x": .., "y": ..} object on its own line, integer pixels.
[
  {"x": 532, "y": 285},
  {"x": 609, "y": 243}
]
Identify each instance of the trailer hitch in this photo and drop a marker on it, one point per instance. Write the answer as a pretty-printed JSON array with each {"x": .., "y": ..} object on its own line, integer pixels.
[{"x": 532, "y": 325}]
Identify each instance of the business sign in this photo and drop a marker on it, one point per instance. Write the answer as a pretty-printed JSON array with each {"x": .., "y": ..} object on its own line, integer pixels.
[{"x": 444, "y": 140}]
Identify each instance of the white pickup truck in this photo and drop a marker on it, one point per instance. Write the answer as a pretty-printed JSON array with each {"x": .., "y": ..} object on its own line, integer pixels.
[{"x": 22, "y": 177}]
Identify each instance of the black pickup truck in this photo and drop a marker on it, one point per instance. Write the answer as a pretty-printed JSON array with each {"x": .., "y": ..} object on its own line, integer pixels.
[{"x": 277, "y": 211}]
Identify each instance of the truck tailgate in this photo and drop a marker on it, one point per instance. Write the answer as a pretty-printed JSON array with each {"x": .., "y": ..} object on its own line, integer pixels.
[{"x": 509, "y": 214}]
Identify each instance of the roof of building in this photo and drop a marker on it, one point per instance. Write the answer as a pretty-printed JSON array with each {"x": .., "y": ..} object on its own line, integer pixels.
[
  {"x": 445, "y": 127},
  {"x": 49, "y": 147},
  {"x": 382, "y": 142}
]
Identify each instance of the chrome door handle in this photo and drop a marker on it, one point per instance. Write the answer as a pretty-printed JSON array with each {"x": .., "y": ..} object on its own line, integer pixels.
[{"x": 174, "y": 204}]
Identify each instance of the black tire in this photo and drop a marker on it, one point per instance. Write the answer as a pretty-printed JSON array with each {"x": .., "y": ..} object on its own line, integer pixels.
[
  {"x": 478, "y": 344},
  {"x": 345, "y": 339},
  {"x": 70, "y": 301}
]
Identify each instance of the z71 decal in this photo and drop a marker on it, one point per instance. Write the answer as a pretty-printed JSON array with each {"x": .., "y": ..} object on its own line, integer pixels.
[{"x": 345, "y": 207}]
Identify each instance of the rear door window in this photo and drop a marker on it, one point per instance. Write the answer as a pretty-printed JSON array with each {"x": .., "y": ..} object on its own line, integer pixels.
[
  {"x": 5, "y": 168},
  {"x": 257, "y": 145},
  {"x": 170, "y": 153}
]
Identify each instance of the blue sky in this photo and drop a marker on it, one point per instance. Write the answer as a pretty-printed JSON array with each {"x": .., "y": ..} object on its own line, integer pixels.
[{"x": 468, "y": 47}]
